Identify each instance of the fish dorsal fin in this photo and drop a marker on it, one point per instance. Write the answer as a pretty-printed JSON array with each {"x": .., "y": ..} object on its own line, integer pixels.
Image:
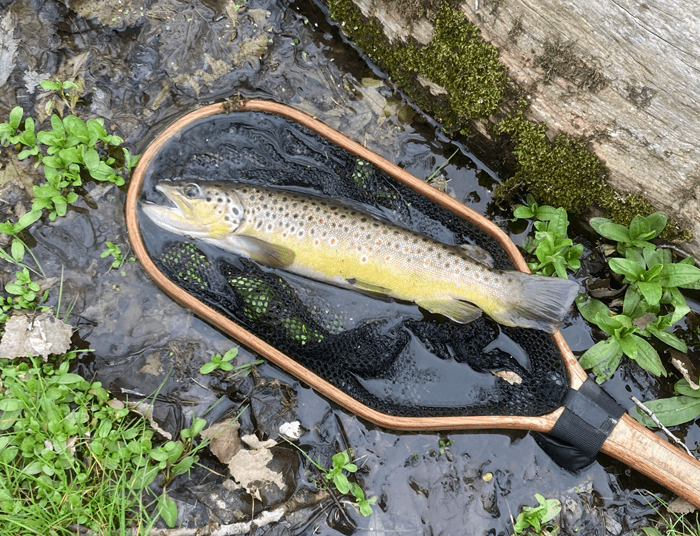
[
  {"x": 260, "y": 251},
  {"x": 476, "y": 253},
  {"x": 457, "y": 310}
]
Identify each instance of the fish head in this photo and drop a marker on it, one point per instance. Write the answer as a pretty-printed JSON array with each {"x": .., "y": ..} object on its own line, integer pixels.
[{"x": 197, "y": 210}]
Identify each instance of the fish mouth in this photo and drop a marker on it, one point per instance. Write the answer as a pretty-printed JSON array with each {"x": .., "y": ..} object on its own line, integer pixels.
[{"x": 170, "y": 215}]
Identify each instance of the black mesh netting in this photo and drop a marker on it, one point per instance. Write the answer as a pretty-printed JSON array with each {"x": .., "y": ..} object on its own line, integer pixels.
[{"x": 392, "y": 365}]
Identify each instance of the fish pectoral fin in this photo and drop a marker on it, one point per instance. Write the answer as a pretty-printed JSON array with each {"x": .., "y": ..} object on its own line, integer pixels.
[
  {"x": 262, "y": 252},
  {"x": 476, "y": 253},
  {"x": 368, "y": 287},
  {"x": 457, "y": 310}
]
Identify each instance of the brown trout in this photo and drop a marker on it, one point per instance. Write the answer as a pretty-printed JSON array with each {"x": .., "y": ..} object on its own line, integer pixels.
[{"x": 330, "y": 242}]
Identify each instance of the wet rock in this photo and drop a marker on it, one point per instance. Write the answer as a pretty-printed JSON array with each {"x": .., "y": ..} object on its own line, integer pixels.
[
  {"x": 30, "y": 335},
  {"x": 111, "y": 13},
  {"x": 8, "y": 46},
  {"x": 272, "y": 404}
]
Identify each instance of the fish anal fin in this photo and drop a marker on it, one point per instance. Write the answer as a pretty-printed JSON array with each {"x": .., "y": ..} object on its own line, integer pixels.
[
  {"x": 260, "y": 251},
  {"x": 457, "y": 310}
]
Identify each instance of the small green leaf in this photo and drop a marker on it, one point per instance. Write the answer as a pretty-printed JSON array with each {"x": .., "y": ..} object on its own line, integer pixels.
[
  {"x": 669, "y": 411},
  {"x": 16, "y": 117},
  {"x": 17, "y": 250},
  {"x": 167, "y": 510},
  {"x": 521, "y": 212},
  {"x": 678, "y": 275},
  {"x": 48, "y": 85},
  {"x": 69, "y": 379},
  {"x": 612, "y": 231},
  {"x": 647, "y": 357},
  {"x": 10, "y": 404},
  {"x": 603, "y": 358},
  {"x": 590, "y": 308},
  {"x": 630, "y": 269},
  {"x": 682, "y": 387},
  {"x": 207, "y": 368},
  {"x": 651, "y": 291}
]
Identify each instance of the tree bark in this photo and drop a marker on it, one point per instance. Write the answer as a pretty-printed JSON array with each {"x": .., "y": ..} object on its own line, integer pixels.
[{"x": 625, "y": 74}]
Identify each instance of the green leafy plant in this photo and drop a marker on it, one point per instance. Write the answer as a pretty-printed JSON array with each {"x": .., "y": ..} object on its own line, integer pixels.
[
  {"x": 341, "y": 464},
  {"x": 536, "y": 516},
  {"x": 119, "y": 258},
  {"x": 685, "y": 407},
  {"x": 71, "y": 151},
  {"x": 554, "y": 251},
  {"x": 444, "y": 444},
  {"x": 652, "y": 302},
  {"x": 68, "y": 92},
  {"x": 217, "y": 361}
]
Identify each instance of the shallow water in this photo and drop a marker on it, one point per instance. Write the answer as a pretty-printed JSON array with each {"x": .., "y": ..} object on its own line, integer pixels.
[{"x": 146, "y": 63}]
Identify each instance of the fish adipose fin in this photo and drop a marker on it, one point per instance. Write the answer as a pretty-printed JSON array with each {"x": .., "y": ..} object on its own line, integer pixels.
[
  {"x": 457, "y": 310},
  {"x": 260, "y": 251},
  {"x": 476, "y": 253},
  {"x": 543, "y": 302}
]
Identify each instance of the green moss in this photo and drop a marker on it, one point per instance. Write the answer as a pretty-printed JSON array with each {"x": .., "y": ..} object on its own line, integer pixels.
[
  {"x": 473, "y": 90},
  {"x": 566, "y": 174}
]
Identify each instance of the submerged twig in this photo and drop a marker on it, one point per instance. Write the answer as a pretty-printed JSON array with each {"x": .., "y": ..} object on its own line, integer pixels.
[{"x": 657, "y": 422}]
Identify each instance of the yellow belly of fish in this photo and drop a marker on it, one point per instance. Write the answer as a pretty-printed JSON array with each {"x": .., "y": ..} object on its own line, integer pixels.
[{"x": 383, "y": 270}]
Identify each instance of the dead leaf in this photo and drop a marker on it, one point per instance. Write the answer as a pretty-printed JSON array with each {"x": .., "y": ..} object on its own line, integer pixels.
[
  {"x": 225, "y": 442},
  {"x": 249, "y": 467},
  {"x": 43, "y": 335},
  {"x": 642, "y": 321},
  {"x": 686, "y": 367},
  {"x": 145, "y": 409},
  {"x": 509, "y": 376},
  {"x": 680, "y": 506}
]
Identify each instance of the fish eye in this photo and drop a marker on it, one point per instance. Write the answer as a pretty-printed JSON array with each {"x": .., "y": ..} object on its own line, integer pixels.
[{"x": 191, "y": 191}]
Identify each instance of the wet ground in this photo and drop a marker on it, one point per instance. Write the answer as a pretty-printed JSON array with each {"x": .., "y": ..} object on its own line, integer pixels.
[{"x": 145, "y": 63}]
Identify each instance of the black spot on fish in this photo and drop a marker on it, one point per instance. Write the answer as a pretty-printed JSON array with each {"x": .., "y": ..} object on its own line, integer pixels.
[
  {"x": 274, "y": 201},
  {"x": 208, "y": 199},
  {"x": 363, "y": 220},
  {"x": 369, "y": 237},
  {"x": 235, "y": 211}
]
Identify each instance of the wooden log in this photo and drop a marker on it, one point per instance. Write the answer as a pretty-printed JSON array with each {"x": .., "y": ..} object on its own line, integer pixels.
[{"x": 625, "y": 74}]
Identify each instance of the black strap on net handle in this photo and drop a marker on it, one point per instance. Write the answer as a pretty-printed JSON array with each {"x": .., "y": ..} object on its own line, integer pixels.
[{"x": 589, "y": 416}]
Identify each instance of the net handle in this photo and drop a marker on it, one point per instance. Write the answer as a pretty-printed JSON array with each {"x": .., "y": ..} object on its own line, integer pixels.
[{"x": 636, "y": 446}]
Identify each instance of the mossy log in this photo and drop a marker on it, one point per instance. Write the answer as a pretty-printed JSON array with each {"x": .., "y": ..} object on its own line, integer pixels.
[{"x": 624, "y": 75}]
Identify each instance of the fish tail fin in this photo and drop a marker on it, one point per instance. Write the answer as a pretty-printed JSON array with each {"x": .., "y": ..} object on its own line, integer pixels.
[{"x": 543, "y": 302}]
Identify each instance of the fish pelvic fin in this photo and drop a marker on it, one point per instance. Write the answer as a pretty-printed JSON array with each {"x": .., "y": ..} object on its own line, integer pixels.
[
  {"x": 542, "y": 303},
  {"x": 457, "y": 310},
  {"x": 260, "y": 251}
]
